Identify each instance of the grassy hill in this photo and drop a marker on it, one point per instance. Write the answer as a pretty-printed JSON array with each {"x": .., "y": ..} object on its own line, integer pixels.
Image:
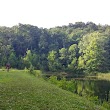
[{"x": 21, "y": 91}]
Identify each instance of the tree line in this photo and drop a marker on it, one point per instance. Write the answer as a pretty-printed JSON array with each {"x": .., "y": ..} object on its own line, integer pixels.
[{"x": 74, "y": 48}]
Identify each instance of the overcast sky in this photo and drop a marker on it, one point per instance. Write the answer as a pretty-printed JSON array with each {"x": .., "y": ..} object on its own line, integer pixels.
[{"x": 51, "y": 13}]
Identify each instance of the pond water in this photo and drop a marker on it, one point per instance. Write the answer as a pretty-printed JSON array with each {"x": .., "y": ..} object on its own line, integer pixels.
[
  {"x": 90, "y": 87},
  {"x": 99, "y": 88}
]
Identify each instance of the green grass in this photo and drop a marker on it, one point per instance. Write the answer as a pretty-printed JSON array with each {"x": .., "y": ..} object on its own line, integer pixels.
[{"x": 21, "y": 91}]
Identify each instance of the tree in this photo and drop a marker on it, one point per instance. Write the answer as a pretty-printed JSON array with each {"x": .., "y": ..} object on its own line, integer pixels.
[
  {"x": 63, "y": 58},
  {"x": 5, "y": 51},
  {"x": 73, "y": 55},
  {"x": 36, "y": 61},
  {"x": 93, "y": 53},
  {"x": 13, "y": 60},
  {"x": 53, "y": 61},
  {"x": 28, "y": 58},
  {"x": 73, "y": 51}
]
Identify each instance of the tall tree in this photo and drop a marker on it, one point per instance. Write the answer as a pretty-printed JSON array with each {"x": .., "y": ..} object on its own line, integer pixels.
[
  {"x": 93, "y": 53},
  {"x": 13, "y": 60},
  {"x": 73, "y": 56},
  {"x": 53, "y": 61}
]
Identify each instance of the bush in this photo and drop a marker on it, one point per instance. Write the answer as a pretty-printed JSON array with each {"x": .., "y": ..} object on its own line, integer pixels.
[
  {"x": 106, "y": 105},
  {"x": 63, "y": 83},
  {"x": 53, "y": 80},
  {"x": 31, "y": 70}
]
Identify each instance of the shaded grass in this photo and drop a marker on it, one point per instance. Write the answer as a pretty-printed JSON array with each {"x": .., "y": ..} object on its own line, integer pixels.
[{"x": 21, "y": 91}]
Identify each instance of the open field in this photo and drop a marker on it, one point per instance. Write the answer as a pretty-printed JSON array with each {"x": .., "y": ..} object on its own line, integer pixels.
[{"x": 22, "y": 91}]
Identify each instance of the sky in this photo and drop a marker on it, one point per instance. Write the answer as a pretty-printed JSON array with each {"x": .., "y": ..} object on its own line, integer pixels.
[{"x": 51, "y": 13}]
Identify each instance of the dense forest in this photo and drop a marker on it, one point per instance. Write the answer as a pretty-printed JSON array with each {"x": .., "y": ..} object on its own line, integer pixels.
[{"x": 76, "y": 48}]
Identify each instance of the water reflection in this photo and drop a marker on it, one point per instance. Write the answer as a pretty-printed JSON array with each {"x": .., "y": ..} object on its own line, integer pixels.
[{"x": 100, "y": 88}]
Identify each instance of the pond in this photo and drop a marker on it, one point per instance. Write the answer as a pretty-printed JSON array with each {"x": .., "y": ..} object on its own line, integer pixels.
[
  {"x": 99, "y": 88},
  {"x": 90, "y": 87}
]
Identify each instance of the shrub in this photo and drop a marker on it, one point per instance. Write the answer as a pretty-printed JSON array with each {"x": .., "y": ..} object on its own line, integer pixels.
[
  {"x": 63, "y": 83},
  {"x": 31, "y": 70}
]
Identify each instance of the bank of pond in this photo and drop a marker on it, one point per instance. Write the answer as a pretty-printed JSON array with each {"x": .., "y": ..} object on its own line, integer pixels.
[{"x": 92, "y": 88}]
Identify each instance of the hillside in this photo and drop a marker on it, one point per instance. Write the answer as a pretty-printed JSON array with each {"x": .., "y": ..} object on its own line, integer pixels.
[{"x": 21, "y": 91}]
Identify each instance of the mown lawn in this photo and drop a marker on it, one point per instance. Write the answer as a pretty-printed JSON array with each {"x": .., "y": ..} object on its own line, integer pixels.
[{"x": 21, "y": 91}]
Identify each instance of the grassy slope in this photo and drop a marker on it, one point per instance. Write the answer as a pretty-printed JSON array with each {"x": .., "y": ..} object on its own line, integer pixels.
[{"x": 20, "y": 91}]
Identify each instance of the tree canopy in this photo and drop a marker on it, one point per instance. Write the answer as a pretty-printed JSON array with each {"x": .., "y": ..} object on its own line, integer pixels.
[{"x": 80, "y": 46}]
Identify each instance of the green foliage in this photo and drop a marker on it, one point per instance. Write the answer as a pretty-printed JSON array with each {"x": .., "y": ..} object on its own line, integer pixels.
[
  {"x": 93, "y": 54},
  {"x": 52, "y": 61},
  {"x": 63, "y": 58},
  {"x": 106, "y": 105},
  {"x": 31, "y": 70},
  {"x": 13, "y": 60},
  {"x": 63, "y": 83},
  {"x": 38, "y": 73},
  {"x": 53, "y": 80},
  {"x": 75, "y": 48},
  {"x": 93, "y": 99},
  {"x": 28, "y": 59}
]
